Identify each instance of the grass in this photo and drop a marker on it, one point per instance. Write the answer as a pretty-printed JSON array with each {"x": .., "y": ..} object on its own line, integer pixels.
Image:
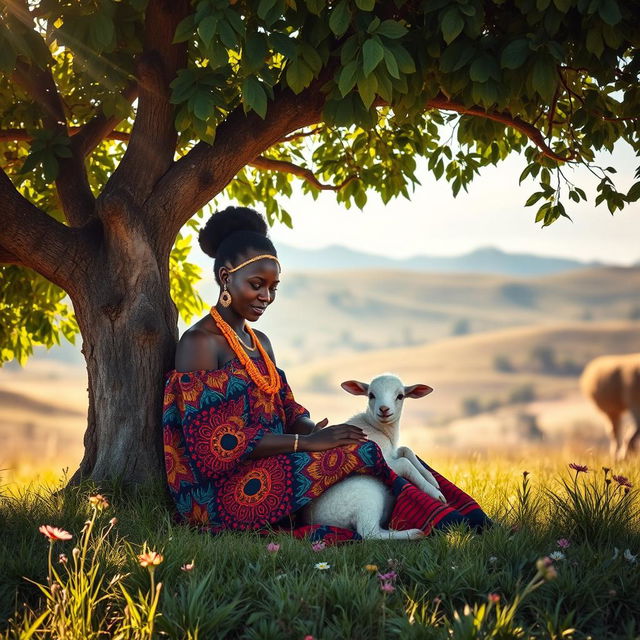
[{"x": 450, "y": 585}]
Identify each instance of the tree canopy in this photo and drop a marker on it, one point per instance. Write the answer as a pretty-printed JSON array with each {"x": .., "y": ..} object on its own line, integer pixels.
[{"x": 166, "y": 103}]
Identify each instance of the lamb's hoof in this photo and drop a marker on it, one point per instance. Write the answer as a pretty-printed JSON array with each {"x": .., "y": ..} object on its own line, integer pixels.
[{"x": 414, "y": 534}]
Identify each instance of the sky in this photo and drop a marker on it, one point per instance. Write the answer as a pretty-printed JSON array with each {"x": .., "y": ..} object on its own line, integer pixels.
[{"x": 492, "y": 213}]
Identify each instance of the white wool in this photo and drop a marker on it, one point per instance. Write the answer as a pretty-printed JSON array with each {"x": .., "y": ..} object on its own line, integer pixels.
[{"x": 363, "y": 502}]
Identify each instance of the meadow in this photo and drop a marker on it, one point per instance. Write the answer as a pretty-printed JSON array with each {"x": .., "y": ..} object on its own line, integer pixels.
[{"x": 560, "y": 562}]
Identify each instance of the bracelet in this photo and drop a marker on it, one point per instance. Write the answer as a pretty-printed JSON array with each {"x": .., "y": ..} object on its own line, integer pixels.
[{"x": 295, "y": 443}]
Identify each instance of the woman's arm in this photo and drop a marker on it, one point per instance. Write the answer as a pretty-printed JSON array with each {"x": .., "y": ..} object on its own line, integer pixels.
[
  {"x": 302, "y": 426},
  {"x": 272, "y": 444}
]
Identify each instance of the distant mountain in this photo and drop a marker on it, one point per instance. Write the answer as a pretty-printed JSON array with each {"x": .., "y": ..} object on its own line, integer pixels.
[{"x": 488, "y": 260}]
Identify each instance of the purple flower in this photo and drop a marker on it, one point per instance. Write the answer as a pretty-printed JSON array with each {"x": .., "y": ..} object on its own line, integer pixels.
[
  {"x": 563, "y": 543},
  {"x": 387, "y": 586},
  {"x": 273, "y": 547},
  {"x": 319, "y": 546},
  {"x": 385, "y": 577},
  {"x": 578, "y": 468}
]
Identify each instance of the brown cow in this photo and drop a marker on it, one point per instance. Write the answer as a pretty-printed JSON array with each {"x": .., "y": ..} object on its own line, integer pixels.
[{"x": 613, "y": 383}]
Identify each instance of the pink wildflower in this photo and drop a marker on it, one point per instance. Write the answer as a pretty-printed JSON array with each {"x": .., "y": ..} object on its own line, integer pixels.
[
  {"x": 319, "y": 546},
  {"x": 391, "y": 575},
  {"x": 579, "y": 468},
  {"x": 494, "y": 597},
  {"x": 62, "y": 558},
  {"x": 188, "y": 566},
  {"x": 563, "y": 543},
  {"x": 622, "y": 481},
  {"x": 309, "y": 637},
  {"x": 273, "y": 547},
  {"x": 387, "y": 586},
  {"x": 53, "y": 533}
]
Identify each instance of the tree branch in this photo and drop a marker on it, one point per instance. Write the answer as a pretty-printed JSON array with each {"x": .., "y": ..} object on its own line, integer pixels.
[
  {"x": 99, "y": 128},
  {"x": 6, "y": 257},
  {"x": 72, "y": 183},
  {"x": 282, "y": 166},
  {"x": 153, "y": 138},
  {"x": 30, "y": 237},
  {"x": 535, "y": 135},
  {"x": 205, "y": 170}
]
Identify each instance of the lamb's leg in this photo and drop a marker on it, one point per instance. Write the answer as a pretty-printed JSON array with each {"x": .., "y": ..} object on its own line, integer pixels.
[
  {"x": 405, "y": 469},
  {"x": 407, "y": 453},
  {"x": 369, "y": 529}
]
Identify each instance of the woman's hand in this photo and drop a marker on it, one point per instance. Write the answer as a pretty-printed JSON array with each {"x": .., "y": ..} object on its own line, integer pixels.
[{"x": 328, "y": 437}]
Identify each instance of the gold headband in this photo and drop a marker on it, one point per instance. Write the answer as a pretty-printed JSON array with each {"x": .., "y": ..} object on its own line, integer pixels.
[{"x": 254, "y": 259}]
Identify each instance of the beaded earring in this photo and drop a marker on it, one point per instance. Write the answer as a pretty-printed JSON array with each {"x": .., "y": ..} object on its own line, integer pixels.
[{"x": 225, "y": 296}]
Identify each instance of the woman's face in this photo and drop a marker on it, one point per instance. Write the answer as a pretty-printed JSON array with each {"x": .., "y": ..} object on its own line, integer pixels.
[{"x": 252, "y": 288}]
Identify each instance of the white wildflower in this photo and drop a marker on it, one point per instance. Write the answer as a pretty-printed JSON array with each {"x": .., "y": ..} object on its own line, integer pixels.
[
  {"x": 629, "y": 557},
  {"x": 557, "y": 555},
  {"x": 322, "y": 566}
]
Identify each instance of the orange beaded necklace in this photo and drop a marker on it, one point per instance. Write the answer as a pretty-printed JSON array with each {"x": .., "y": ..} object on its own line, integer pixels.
[{"x": 271, "y": 382}]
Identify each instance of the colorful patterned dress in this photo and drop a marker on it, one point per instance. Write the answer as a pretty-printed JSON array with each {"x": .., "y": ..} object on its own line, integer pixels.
[{"x": 212, "y": 421}]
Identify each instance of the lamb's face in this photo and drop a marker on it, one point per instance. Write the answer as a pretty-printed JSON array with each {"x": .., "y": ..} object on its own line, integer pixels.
[{"x": 386, "y": 397}]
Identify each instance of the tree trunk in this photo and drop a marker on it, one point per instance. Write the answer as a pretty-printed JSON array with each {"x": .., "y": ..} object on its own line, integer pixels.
[{"x": 128, "y": 324}]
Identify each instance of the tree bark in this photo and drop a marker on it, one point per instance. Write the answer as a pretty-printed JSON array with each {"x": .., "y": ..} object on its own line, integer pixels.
[{"x": 129, "y": 329}]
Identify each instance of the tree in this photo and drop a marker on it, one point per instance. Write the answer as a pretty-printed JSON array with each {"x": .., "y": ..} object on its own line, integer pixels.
[{"x": 121, "y": 119}]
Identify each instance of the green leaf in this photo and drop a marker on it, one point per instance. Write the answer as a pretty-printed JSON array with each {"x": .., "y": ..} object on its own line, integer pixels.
[
  {"x": 562, "y": 5},
  {"x": 403, "y": 58},
  {"x": 254, "y": 96},
  {"x": 298, "y": 75},
  {"x": 372, "y": 55},
  {"x": 365, "y": 5},
  {"x": 367, "y": 86},
  {"x": 340, "y": 18},
  {"x": 483, "y": 68},
  {"x": 264, "y": 6},
  {"x": 533, "y": 198},
  {"x": 610, "y": 12},
  {"x": 255, "y": 50},
  {"x": 634, "y": 193},
  {"x": 544, "y": 77},
  {"x": 594, "y": 42},
  {"x": 452, "y": 24},
  {"x": 315, "y": 6},
  {"x": 202, "y": 105},
  {"x": 515, "y": 54},
  {"x": 347, "y": 78},
  {"x": 207, "y": 29},
  {"x": 456, "y": 56},
  {"x": 391, "y": 29},
  {"x": 227, "y": 34},
  {"x": 283, "y": 44},
  {"x": 390, "y": 62}
]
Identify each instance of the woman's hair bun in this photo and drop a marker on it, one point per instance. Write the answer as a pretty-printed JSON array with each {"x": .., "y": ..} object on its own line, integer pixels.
[{"x": 223, "y": 223}]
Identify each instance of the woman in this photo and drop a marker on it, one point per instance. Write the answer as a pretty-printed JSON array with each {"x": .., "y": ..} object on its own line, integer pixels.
[{"x": 240, "y": 452}]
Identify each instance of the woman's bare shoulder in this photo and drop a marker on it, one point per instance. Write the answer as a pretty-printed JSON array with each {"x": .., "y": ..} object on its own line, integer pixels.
[
  {"x": 266, "y": 343},
  {"x": 199, "y": 348}
]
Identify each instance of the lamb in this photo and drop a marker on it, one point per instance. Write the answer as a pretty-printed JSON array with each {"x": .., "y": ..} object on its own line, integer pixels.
[
  {"x": 364, "y": 502},
  {"x": 613, "y": 383}
]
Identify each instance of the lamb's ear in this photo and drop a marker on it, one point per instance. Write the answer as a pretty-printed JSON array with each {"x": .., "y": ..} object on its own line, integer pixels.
[
  {"x": 417, "y": 391},
  {"x": 355, "y": 387}
]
